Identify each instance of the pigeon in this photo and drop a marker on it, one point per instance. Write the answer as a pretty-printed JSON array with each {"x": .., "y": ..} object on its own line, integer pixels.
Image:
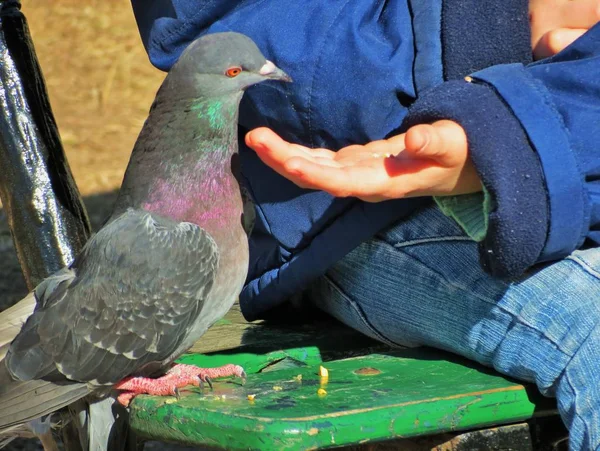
[{"x": 167, "y": 264}]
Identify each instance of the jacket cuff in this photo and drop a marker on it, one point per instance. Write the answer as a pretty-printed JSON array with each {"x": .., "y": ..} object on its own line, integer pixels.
[
  {"x": 507, "y": 165},
  {"x": 533, "y": 106}
]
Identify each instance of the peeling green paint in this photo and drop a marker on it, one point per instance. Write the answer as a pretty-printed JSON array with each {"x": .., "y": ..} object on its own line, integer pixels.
[
  {"x": 254, "y": 363},
  {"x": 412, "y": 392},
  {"x": 417, "y": 392}
]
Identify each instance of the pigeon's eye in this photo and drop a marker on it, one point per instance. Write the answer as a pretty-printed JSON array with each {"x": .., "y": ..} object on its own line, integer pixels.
[{"x": 233, "y": 71}]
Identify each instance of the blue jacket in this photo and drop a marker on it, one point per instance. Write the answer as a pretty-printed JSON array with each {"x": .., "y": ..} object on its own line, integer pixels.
[{"x": 363, "y": 70}]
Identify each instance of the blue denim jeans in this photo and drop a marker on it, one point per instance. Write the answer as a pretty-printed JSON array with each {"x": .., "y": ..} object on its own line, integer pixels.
[{"x": 420, "y": 283}]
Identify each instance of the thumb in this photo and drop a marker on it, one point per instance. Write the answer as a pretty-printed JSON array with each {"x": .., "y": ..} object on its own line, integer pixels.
[
  {"x": 443, "y": 141},
  {"x": 555, "y": 41}
]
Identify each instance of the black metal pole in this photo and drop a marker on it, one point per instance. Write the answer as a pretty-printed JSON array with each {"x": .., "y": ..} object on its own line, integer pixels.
[{"x": 46, "y": 216}]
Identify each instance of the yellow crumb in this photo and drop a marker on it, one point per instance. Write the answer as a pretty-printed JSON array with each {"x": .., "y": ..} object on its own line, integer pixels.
[
  {"x": 251, "y": 397},
  {"x": 277, "y": 388},
  {"x": 323, "y": 372},
  {"x": 321, "y": 392}
]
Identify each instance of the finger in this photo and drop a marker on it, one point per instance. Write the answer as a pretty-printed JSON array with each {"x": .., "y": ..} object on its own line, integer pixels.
[
  {"x": 556, "y": 40},
  {"x": 271, "y": 149},
  {"x": 265, "y": 140},
  {"x": 444, "y": 141},
  {"x": 356, "y": 181}
]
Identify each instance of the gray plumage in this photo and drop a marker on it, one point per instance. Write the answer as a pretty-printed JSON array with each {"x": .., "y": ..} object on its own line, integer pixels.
[
  {"x": 168, "y": 263},
  {"x": 122, "y": 304}
]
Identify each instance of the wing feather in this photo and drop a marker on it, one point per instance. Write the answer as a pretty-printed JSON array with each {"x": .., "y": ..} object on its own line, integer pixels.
[{"x": 131, "y": 294}]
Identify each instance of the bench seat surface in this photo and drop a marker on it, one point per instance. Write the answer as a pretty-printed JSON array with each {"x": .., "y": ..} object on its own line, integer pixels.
[{"x": 372, "y": 392}]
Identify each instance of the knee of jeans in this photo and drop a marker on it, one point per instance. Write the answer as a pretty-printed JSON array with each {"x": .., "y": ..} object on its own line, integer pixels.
[
  {"x": 589, "y": 258},
  {"x": 329, "y": 297},
  {"x": 578, "y": 394}
]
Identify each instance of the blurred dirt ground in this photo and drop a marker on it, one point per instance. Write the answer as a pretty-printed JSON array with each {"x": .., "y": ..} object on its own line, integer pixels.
[
  {"x": 101, "y": 86},
  {"x": 100, "y": 81}
]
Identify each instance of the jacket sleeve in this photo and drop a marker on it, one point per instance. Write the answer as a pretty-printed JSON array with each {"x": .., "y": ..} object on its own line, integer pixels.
[{"x": 534, "y": 138}]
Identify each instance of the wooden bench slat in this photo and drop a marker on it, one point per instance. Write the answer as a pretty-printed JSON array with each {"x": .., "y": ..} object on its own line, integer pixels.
[{"x": 414, "y": 392}]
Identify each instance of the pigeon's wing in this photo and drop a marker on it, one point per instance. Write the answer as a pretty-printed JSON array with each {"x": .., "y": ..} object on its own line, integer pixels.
[
  {"x": 126, "y": 301},
  {"x": 12, "y": 320}
]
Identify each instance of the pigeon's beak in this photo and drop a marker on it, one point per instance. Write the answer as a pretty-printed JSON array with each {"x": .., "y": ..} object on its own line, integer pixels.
[{"x": 271, "y": 71}]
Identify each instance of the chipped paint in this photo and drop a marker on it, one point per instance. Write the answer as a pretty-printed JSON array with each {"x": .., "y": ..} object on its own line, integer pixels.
[
  {"x": 367, "y": 371},
  {"x": 419, "y": 392}
]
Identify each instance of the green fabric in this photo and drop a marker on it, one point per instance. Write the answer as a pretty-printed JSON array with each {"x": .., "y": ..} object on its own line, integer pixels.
[{"x": 470, "y": 211}]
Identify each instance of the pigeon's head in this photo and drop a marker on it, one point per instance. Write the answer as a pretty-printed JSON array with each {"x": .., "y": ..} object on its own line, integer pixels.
[{"x": 221, "y": 64}]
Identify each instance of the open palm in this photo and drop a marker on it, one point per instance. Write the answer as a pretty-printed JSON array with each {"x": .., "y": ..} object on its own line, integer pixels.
[{"x": 427, "y": 160}]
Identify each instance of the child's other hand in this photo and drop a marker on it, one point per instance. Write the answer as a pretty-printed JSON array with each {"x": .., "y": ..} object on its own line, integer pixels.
[
  {"x": 428, "y": 160},
  {"x": 556, "y": 40},
  {"x": 555, "y": 24}
]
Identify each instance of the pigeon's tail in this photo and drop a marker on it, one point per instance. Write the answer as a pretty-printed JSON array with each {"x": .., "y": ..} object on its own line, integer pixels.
[{"x": 21, "y": 402}]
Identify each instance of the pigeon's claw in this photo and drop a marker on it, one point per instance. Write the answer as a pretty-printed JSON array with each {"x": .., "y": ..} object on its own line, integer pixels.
[
  {"x": 199, "y": 376},
  {"x": 166, "y": 385},
  {"x": 125, "y": 398},
  {"x": 177, "y": 377}
]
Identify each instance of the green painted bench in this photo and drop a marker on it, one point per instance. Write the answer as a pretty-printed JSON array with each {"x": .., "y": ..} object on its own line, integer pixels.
[{"x": 373, "y": 393}]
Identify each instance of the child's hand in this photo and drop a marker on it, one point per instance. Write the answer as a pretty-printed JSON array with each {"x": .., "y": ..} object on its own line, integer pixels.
[
  {"x": 555, "y": 24},
  {"x": 428, "y": 160},
  {"x": 556, "y": 40}
]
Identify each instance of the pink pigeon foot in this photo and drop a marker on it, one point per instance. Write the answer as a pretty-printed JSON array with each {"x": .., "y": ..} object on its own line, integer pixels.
[{"x": 177, "y": 377}]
